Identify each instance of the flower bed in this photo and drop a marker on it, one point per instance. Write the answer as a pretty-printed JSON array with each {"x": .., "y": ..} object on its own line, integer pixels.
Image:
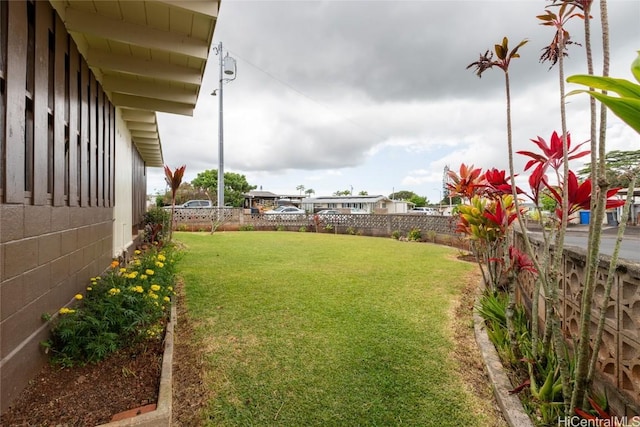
[{"x": 127, "y": 304}]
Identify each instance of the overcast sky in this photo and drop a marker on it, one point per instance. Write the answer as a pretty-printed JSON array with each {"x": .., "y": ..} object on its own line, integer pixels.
[{"x": 375, "y": 95}]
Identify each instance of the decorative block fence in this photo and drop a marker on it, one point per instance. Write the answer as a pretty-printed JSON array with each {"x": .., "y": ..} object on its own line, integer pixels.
[
  {"x": 619, "y": 356},
  {"x": 368, "y": 225}
]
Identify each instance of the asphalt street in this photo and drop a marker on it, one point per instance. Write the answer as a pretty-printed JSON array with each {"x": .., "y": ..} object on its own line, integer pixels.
[{"x": 577, "y": 236}]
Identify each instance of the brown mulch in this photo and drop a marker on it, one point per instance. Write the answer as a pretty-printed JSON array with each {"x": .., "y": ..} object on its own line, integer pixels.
[
  {"x": 89, "y": 395},
  {"x": 92, "y": 394}
]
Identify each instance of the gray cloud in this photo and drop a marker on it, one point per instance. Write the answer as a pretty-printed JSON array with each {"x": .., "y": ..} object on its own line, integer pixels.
[{"x": 323, "y": 85}]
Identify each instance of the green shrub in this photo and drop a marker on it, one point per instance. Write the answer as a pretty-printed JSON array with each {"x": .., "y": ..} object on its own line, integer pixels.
[
  {"x": 124, "y": 305},
  {"x": 415, "y": 234},
  {"x": 302, "y": 229},
  {"x": 396, "y": 234},
  {"x": 156, "y": 225},
  {"x": 247, "y": 227}
]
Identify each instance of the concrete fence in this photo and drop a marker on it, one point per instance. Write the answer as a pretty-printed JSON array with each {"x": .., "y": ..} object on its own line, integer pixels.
[{"x": 619, "y": 355}]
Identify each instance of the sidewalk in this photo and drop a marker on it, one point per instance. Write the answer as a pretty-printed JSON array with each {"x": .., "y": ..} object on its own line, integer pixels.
[{"x": 631, "y": 231}]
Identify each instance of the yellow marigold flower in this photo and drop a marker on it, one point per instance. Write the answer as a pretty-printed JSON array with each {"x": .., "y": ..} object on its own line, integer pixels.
[
  {"x": 161, "y": 257},
  {"x": 123, "y": 270},
  {"x": 152, "y": 295},
  {"x": 159, "y": 264},
  {"x": 137, "y": 252},
  {"x": 139, "y": 289},
  {"x": 143, "y": 277},
  {"x": 155, "y": 288},
  {"x": 167, "y": 299},
  {"x": 78, "y": 296},
  {"x": 149, "y": 272},
  {"x": 98, "y": 277},
  {"x": 132, "y": 275},
  {"x": 170, "y": 288},
  {"x": 89, "y": 288},
  {"x": 114, "y": 291},
  {"x": 137, "y": 262},
  {"x": 65, "y": 310}
]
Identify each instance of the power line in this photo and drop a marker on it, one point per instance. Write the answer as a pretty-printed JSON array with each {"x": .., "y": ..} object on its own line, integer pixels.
[{"x": 299, "y": 92}]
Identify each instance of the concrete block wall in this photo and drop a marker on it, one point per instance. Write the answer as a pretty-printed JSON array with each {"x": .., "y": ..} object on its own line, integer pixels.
[{"x": 47, "y": 255}]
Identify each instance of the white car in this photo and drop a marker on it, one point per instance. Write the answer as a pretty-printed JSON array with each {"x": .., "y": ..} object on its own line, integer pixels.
[
  {"x": 424, "y": 210},
  {"x": 284, "y": 212},
  {"x": 193, "y": 204}
]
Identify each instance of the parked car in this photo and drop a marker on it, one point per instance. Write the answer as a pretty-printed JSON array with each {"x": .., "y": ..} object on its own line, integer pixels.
[
  {"x": 357, "y": 211},
  {"x": 424, "y": 210},
  {"x": 325, "y": 212},
  {"x": 282, "y": 212},
  {"x": 193, "y": 204}
]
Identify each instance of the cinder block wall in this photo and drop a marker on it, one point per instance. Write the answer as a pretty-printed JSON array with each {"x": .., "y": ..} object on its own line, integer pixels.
[{"x": 47, "y": 255}]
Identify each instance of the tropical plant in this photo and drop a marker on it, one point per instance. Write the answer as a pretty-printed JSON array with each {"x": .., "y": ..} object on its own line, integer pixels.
[
  {"x": 568, "y": 194},
  {"x": 173, "y": 179},
  {"x": 156, "y": 226},
  {"x": 626, "y": 105}
]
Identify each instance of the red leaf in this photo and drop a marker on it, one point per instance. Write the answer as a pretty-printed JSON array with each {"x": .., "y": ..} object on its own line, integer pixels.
[{"x": 521, "y": 387}]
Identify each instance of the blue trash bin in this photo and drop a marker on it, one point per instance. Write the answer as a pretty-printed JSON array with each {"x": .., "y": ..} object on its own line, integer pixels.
[{"x": 584, "y": 217}]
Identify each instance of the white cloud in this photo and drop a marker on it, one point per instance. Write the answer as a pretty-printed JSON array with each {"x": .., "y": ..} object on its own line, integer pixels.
[{"x": 377, "y": 95}]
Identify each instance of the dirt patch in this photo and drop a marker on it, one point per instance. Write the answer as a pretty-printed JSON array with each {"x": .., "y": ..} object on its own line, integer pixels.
[
  {"x": 470, "y": 365},
  {"x": 190, "y": 394}
]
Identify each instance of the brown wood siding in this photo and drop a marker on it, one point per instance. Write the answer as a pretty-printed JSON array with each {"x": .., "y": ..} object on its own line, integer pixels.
[
  {"x": 84, "y": 135},
  {"x": 93, "y": 143},
  {"x": 3, "y": 92},
  {"x": 139, "y": 191},
  {"x": 57, "y": 125},
  {"x": 15, "y": 101},
  {"x": 100, "y": 147},
  {"x": 61, "y": 41},
  {"x": 74, "y": 125},
  {"x": 41, "y": 138}
]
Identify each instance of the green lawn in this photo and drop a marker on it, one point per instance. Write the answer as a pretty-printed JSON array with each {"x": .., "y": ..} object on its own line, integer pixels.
[{"x": 304, "y": 329}]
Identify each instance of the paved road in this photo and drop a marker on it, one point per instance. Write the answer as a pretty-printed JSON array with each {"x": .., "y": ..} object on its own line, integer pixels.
[{"x": 577, "y": 237}]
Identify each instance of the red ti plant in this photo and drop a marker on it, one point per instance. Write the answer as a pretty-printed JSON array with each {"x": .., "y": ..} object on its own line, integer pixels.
[
  {"x": 486, "y": 219},
  {"x": 579, "y": 194},
  {"x": 173, "y": 179},
  {"x": 467, "y": 183}
]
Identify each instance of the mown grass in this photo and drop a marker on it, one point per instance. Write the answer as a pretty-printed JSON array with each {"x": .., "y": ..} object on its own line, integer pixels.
[{"x": 305, "y": 329}]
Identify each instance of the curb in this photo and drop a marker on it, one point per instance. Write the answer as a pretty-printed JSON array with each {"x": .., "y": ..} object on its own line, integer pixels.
[
  {"x": 510, "y": 404},
  {"x": 161, "y": 416}
]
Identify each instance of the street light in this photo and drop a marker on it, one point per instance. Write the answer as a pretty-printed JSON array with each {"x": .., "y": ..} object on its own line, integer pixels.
[{"x": 227, "y": 74}]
